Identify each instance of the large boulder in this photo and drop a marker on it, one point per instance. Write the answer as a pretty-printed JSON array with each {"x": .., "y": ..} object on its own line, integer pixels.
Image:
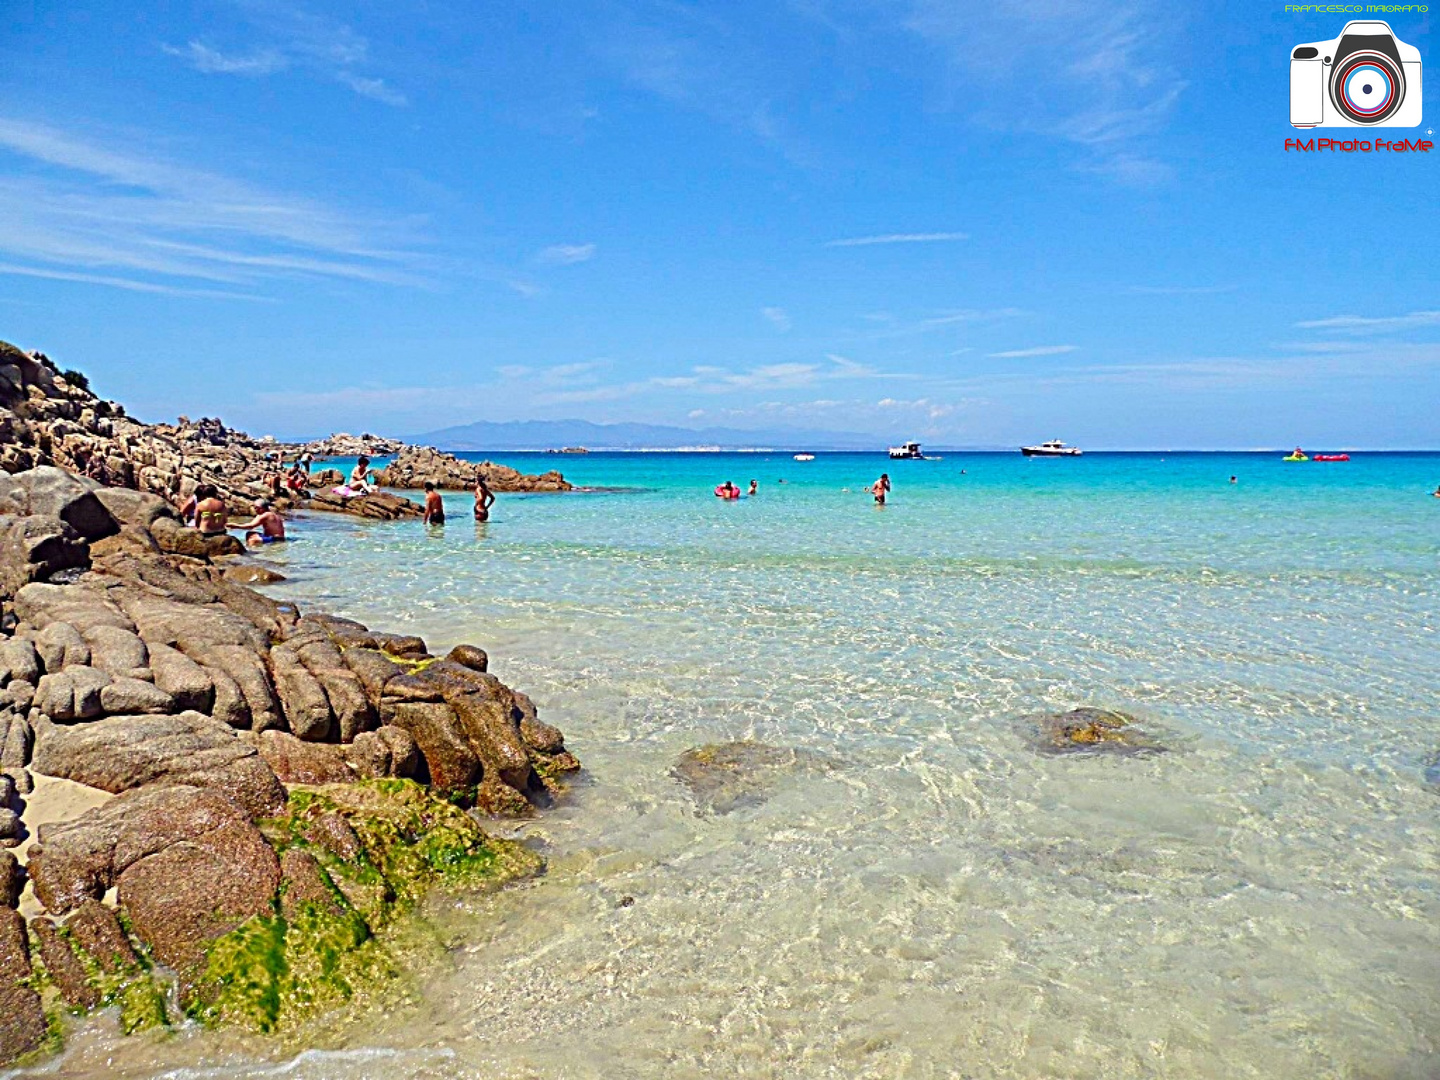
[
  {"x": 71, "y": 694},
  {"x": 120, "y": 753},
  {"x": 187, "y": 862},
  {"x": 34, "y": 548},
  {"x": 135, "y": 507},
  {"x": 52, "y": 492}
]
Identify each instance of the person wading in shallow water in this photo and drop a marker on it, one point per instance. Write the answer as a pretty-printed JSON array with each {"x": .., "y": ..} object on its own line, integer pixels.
[
  {"x": 484, "y": 499},
  {"x": 434, "y": 505},
  {"x": 266, "y": 527},
  {"x": 880, "y": 489}
]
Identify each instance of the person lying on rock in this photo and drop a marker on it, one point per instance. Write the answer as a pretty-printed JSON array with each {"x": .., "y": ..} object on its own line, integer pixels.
[
  {"x": 211, "y": 515},
  {"x": 266, "y": 527}
]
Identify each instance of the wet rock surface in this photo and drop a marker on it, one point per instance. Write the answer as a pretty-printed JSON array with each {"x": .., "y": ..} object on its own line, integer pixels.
[
  {"x": 132, "y": 661},
  {"x": 724, "y": 777},
  {"x": 1088, "y": 730}
]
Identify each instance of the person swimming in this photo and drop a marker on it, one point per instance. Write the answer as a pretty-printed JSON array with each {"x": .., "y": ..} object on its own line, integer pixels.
[
  {"x": 754, "y": 487},
  {"x": 434, "y": 506}
]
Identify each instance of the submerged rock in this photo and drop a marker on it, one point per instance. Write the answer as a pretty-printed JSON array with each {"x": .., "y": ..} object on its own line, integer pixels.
[
  {"x": 1090, "y": 730},
  {"x": 736, "y": 775}
]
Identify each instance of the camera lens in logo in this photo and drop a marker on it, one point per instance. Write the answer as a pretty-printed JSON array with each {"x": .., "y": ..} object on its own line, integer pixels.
[{"x": 1367, "y": 87}]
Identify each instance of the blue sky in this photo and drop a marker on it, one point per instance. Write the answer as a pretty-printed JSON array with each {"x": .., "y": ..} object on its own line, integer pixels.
[{"x": 961, "y": 223}]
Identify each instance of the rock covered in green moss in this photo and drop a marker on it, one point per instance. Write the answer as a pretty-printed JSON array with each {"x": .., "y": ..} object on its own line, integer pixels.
[{"x": 353, "y": 856}]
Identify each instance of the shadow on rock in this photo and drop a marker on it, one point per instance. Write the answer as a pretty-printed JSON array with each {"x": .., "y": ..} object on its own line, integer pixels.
[{"x": 739, "y": 775}]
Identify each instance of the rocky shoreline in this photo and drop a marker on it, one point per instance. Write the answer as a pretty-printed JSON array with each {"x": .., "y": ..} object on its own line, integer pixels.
[
  {"x": 274, "y": 787},
  {"x": 50, "y": 417}
]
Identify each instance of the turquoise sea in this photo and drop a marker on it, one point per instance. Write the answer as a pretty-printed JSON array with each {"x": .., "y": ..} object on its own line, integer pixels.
[{"x": 940, "y": 899}]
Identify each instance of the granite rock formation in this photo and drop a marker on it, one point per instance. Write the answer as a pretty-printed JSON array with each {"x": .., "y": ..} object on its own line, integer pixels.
[
  {"x": 47, "y": 420},
  {"x": 284, "y": 781},
  {"x": 414, "y": 465}
]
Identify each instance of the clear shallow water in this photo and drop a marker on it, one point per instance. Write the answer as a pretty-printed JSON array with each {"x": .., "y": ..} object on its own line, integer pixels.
[{"x": 1264, "y": 901}]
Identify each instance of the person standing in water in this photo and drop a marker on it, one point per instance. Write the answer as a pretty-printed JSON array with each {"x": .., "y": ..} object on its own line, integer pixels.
[
  {"x": 434, "y": 506},
  {"x": 484, "y": 499},
  {"x": 754, "y": 487},
  {"x": 880, "y": 489}
]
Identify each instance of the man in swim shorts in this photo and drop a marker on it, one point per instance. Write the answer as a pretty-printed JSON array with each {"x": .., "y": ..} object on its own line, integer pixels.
[
  {"x": 434, "y": 506},
  {"x": 880, "y": 489},
  {"x": 266, "y": 527}
]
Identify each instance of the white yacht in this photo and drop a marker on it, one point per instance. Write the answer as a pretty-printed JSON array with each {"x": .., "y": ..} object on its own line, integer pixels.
[
  {"x": 804, "y": 457},
  {"x": 907, "y": 451},
  {"x": 1053, "y": 448}
]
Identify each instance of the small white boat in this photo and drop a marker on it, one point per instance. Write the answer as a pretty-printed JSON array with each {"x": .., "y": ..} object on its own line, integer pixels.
[
  {"x": 1053, "y": 448},
  {"x": 804, "y": 457},
  {"x": 909, "y": 451}
]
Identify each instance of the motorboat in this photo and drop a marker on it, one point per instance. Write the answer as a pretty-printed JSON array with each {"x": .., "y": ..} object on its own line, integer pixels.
[
  {"x": 804, "y": 457},
  {"x": 909, "y": 451},
  {"x": 1053, "y": 448},
  {"x": 1298, "y": 455}
]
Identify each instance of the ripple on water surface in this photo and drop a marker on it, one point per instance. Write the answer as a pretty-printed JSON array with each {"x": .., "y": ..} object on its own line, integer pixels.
[{"x": 939, "y": 899}]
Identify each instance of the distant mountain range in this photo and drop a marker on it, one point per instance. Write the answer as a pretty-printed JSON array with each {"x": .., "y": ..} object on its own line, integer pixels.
[{"x": 556, "y": 434}]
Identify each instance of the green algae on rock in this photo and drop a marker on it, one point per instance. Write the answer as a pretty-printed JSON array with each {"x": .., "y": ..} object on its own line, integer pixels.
[
  {"x": 319, "y": 947},
  {"x": 354, "y": 858}
]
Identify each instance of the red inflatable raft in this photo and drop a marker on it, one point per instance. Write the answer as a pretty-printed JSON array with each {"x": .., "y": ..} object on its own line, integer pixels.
[{"x": 1329, "y": 457}]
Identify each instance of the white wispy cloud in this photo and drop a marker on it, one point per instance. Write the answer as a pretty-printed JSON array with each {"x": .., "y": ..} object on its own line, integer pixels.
[
  {"x": 295, "y": 39},
  {"x": 565, "y": 254},
  {"x": 210, "y": 61},
  {"x": 122, "y": 218},
  {"x": 1038, "y": 350},
  {"x": 1098, "y": 77},
  {"x": 777, "y": 317},
  {"x": 1377, "y": 324},
  {"x": 898, "y": 238}
]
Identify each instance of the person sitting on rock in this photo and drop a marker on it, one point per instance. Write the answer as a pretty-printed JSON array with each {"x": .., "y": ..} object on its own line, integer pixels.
[
  {"x": 211, "y": 516},
  {"x": 360, "y": 476},
  {"x": 96, "y": 469},
  {"x": 484, "y": 499},
  {"x": 266, "y": 527},
  {"x": 296, "y": 480},
  {"x": 434, "y": 505},
  {"x": 273, "y": 482}
]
